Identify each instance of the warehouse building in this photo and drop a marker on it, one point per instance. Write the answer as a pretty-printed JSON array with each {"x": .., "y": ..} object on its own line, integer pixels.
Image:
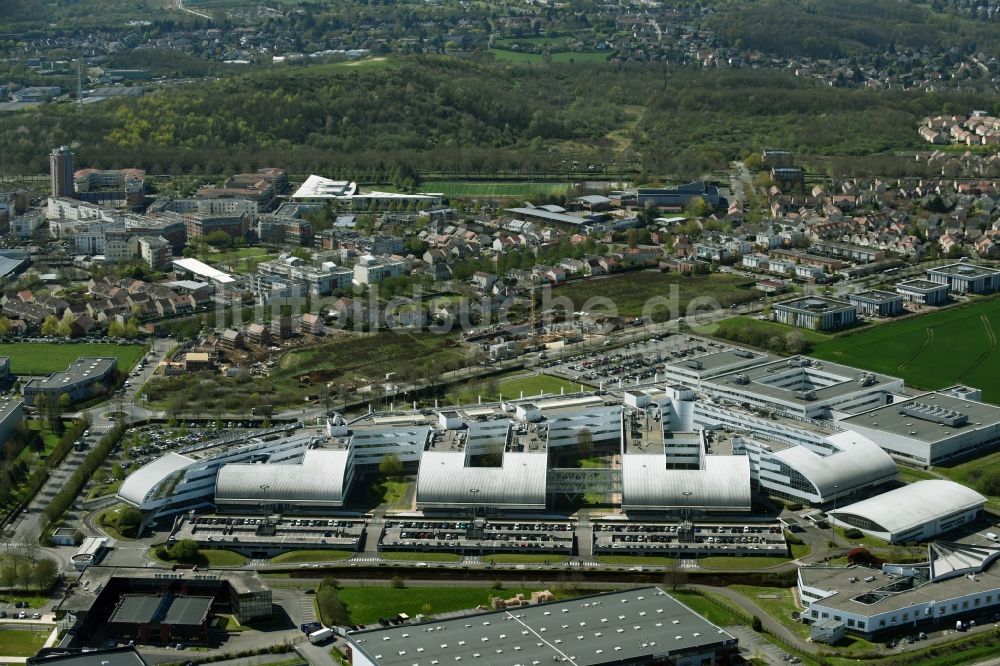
[
  {"x": 923, "y": 292},
  {"x": 637, "y": 627},
  {"x": 816, "y": 313},
  {"x": 932, "y": 428},
  {"x": 958, "y": 582},
  {"x": 83, "y": 379},
  {"x": 160, "y": 618},
  {"x": 966, "y": 278},
  {"x": 876, "y": 302},
  {"x": 914, "y": 512},
  {"x": 125, "y": 598}
]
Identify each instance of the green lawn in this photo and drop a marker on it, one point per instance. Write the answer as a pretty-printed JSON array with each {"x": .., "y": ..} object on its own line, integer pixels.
[
  {"x": 396, "y": 490},
  {"x": 953, "y": 346},
  {"x": 297, "y": 556},
  {"x": 747, "y": 562},
  {"x": 223, "y": 558},
  {"x": 21, "y": 642},
  {"x": 493, "y": 188},
  {"x": 778, "y": 602},
  {"x": 104, "y": 489},
  {"x": 980, "y": 473},
  {"x": 630, "y": 293},
  {"x": 640, "y": 560},
  {"x": 513, "y": 387},
  {"x": 704, "y": 607},
  {"x": 367, "y": 604},
  {"x": 729, "y": 329},
  {"x": 43, "y": 358},
  {"x": 524, "y": 558},
  {"x": 912, "y": 474},
  {"x": 525, "y": 58},
  {"x": 413, "y": 556},
  {"x": 109, "y": 521}
]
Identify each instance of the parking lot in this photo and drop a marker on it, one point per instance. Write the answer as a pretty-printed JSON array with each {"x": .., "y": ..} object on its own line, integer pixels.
[
  {"x": 264, "y": 537},
  {"x": 669, "y": 539},
  {"x": 477, "y": 537},
  {"x": 635, "y": 363}
]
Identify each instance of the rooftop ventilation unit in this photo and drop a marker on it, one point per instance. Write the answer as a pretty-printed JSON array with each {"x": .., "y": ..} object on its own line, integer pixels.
[{"x": 935, "y": 414}]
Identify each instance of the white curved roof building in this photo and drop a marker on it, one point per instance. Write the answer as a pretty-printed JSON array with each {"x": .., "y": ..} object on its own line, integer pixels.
[
  {"x": 852, "y": 462},
  {"x": 320, "y": 481},
  {"x": 444, "y": 482},
  {"x": 143, "y": 486},
  {"x": 915, "y": 512},
  {"x": 721, "y": 484}
]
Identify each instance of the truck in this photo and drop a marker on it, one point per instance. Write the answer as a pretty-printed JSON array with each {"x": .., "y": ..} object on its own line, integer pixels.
[{"x": 321, "y": 636}]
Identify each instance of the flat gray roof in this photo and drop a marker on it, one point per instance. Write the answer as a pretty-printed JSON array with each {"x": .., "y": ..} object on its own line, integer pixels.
[
  {"x": 920, "y": 284},
  {"x": 80, "y": 370},
  {"x": 877, "y": 295},
  {"x": 928, "y": 428},
  {"x": 138, "y": 609},
  {"x": 188, "y": 611},
  {"x": 786, "y": 379},
  {"x": 608, "y": 628},
  {"x": 710, "y": 363},
  {"x": 837, "y": 579},
  {"x": 814, "y": 304},
  {"x": 965, "y": 269}
]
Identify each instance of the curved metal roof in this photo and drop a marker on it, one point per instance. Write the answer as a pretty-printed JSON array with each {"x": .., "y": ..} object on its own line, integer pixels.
[
  {"x": 723, "y": 484},
  {"x": 140, "y": 483},
  {"x": 319, "y": 478},
  {"x": 859, "y": 462},
  {"x": 914, "y": 505},
  {"x": 444, "y": 481}
]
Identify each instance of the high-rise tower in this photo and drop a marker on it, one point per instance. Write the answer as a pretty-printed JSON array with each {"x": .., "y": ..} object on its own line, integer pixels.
[{"x": 61, "y": 170}]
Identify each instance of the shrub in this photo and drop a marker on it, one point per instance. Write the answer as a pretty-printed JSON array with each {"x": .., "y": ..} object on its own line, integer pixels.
[
  {"x": 397, "y": 582},
  {"x": 853, "y": 533},
  {"x": 756, "y": 624}
]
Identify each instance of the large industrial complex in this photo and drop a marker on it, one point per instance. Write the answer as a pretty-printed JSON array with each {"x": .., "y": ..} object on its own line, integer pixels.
[{"x": 741, "y": 425}]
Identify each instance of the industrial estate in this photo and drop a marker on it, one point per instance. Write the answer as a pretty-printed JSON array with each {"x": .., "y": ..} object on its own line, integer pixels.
[{"x": 501, "y": 333}]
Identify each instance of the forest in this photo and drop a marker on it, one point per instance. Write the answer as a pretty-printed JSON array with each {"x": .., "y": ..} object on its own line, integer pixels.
[
  {"x": 451, "y": 115},
  {"x": 844, "y": 28}
]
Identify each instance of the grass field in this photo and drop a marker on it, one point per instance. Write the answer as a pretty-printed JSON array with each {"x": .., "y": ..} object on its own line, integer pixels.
[
  {"x": 367, "y": 604},
  {"x": 21, "y": 642},
  {"x": 370, "y": 357},
  {"x": 630, "y": 293},
  {"x": 953, "y": 346},
  {"x": 637, "y": 560},
  {"x": 44, "y": 358},
  {"x": 524, "y": 58},
  {"x": 512, "y": 387},
  {"x": 727, "y": 327},
  {"x": 779, "y": 602},
  {"x": 525, "y": 558},
  {"x": 747, "y": 562},
  {"x": 417, "y": 556},
  {"x": 299, "y": 556},
  {"x": 489, "y": 188}
]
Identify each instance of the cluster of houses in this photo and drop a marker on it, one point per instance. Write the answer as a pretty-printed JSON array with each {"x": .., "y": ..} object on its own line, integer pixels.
[{"x": 978, "y": 129}]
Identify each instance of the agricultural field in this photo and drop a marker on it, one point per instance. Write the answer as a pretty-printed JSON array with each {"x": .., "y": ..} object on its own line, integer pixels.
[
  {"x": 493, "y": 188},
  {"x": 44, "y": 358},
  {"x": 630, "y": 292},
  {"x": 956, "y": 345}
]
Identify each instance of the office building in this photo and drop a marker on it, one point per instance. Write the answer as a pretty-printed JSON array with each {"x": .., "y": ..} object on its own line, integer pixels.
[
  {"x": 61, "y": 172},
  {"x": 877, "y": 302},
  {"x": 816, "y": 313}
]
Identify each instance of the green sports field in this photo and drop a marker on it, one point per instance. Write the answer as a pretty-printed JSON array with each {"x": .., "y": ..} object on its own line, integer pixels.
[
  {"x": 525, "y": 58},
  {"x": 953, "y": 346},
  {"x": 43, "y": 358}
]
